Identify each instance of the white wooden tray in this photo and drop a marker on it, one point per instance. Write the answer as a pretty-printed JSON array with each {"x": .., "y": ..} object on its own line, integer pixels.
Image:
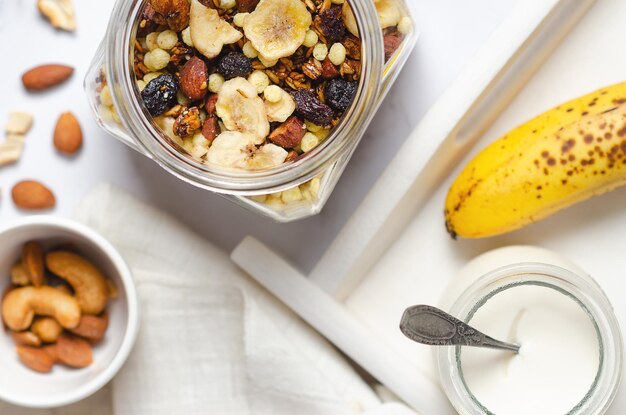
[{"x": 394, "y": 251}]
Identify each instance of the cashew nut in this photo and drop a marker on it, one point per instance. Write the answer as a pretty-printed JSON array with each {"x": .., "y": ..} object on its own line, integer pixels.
[
  {"x": 19, "y": 275},
  {"x": 21, "y": 304},
  {"x": 89, "y": 284},
  {"x": 47, "y": 329}
]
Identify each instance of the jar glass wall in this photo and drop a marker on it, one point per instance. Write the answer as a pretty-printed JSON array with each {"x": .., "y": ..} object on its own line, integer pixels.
[
  {"x": 288, "y": 192},
  {"x": 580, "y": 288}
]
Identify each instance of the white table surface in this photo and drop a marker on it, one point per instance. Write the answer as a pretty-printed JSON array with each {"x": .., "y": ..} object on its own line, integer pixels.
[{"x": 451, "y": 31}]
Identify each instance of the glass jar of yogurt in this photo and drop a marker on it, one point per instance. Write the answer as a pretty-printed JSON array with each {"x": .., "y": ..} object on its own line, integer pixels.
[
  {"x": 289, "y": 190},
  {"x": 570, "y": 361}
]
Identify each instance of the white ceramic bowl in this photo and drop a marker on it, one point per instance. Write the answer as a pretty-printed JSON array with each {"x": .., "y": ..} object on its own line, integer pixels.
[{"x": 20, "y": 385}]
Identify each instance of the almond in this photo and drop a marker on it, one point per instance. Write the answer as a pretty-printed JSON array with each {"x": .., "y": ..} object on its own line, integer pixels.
[
  {"x": 211, "y": 128},
  {"x": 46, "y": 76},
  {"x": 33, "y": 260},
  {"x": 35, "y": 358},
  {"x": 288, "y": 134},
  {"x": 329, "y": 70},
  {"x": 211, "y": 103},
  {"x": 25, "y": 338},
  {"x": 68, "y": 137},
  {"x": 73, "y": 351},
  {"x": 92, "y": 327},
  {"x": 392, "y": 42},
  {"x": 194, "y": 79},
  {"x": 32, "y": 195}
]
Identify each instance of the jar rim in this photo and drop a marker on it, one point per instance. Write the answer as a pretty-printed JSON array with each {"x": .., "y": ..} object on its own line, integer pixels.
[
  {"x": 581, "y": 288},
  {"x": 119, "y": 68}
]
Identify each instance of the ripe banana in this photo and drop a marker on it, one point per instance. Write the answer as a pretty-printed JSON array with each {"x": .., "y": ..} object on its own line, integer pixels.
[{"x": 563, "y": 156}]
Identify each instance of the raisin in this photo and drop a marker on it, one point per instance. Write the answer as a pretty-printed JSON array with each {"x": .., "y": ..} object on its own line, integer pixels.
[
  {"x": 160, "y": 94},
  {"x": 339, "y": 93},
  {"x": 331, "y": 24},
  {"x": 310, "y": 107},
  {"x": 234, "y": 64}
]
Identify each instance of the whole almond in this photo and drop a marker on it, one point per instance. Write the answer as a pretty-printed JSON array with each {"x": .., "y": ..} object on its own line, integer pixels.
[
  {"x": 46, "y": 76},
  {"x": 35, "y": 358},
  {"x": 73, "y": 351},
  {"x": 91, "y": 327},
  {"x": 32, "y": 195},
  {"x": 68, "y": 136},
  {"x": 211, "y": 128},
  {"x": 25, "y": 338},
  {"x": 33, "y": 260},
  {"x": 194, "y": 79}
]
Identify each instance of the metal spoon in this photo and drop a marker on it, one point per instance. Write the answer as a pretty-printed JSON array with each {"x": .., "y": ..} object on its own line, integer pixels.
[{"x": 434, "y": 327}]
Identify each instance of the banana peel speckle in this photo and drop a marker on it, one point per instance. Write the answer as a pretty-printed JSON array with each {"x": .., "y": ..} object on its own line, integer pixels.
[{"x": 565, "y": 155}]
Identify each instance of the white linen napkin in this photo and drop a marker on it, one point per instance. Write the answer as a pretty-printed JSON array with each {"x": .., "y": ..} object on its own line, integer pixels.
[{"x": 211, "y": 340}]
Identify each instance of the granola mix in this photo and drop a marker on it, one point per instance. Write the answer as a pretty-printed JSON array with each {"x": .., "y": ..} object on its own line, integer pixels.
[{"x": 249, "y": 84}]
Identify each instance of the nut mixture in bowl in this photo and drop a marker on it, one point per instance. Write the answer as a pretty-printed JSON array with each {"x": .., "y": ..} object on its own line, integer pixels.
[
  {"x": 55, "y": 308},
  {"x": 250, "y": 84}
]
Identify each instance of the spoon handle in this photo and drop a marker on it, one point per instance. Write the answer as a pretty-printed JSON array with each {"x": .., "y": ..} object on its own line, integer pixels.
[{"x": 432, "y": 326}]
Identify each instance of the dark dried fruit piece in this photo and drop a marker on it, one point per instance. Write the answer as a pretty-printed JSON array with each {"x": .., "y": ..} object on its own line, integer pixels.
[
  {"x": 194, "y": 79},
  {"x": 331, "y": 24},
  {"x": 175, "y": 12},
  {"x": 188, "y": 122},
  {"x": 292, "y": 156},
  {"x": 234, "y": 64},
  {"x": 211, "y": 128},
  {"x": 392, "y": 42},
  {"x": 339, "y": 93},
  {"x": 310, "y": 107},
  {"x": 150, "y": 20},
  {"x": 247, "y": 6},
  {"x": 160, "y": 94},
  {"x": 288, "y": 134}
]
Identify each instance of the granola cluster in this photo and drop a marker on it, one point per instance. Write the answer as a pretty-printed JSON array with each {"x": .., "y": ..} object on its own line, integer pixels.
[{"x": 249, "y": 84}]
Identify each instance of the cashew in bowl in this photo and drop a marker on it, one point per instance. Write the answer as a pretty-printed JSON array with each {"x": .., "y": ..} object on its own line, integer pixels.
[
  {"x": 47, "y": 329},
  {"x": 89, "y": 284},
  {"x": 21, "y": 304}
]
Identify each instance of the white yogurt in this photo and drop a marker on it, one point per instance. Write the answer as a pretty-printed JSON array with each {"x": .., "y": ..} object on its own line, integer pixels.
[{"x": 557, "y": 363}]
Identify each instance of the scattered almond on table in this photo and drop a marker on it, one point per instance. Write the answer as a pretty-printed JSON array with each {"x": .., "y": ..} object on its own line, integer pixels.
[
  {"x": 68, "y": 136},
  {"x": 43, "y": 77},
  {"x": 32, "y": 195},
  {"x": 55, "y": 319}
]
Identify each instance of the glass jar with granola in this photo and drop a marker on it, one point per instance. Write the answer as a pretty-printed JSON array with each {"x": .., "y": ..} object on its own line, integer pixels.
[{"x": 262, "y": 101}]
